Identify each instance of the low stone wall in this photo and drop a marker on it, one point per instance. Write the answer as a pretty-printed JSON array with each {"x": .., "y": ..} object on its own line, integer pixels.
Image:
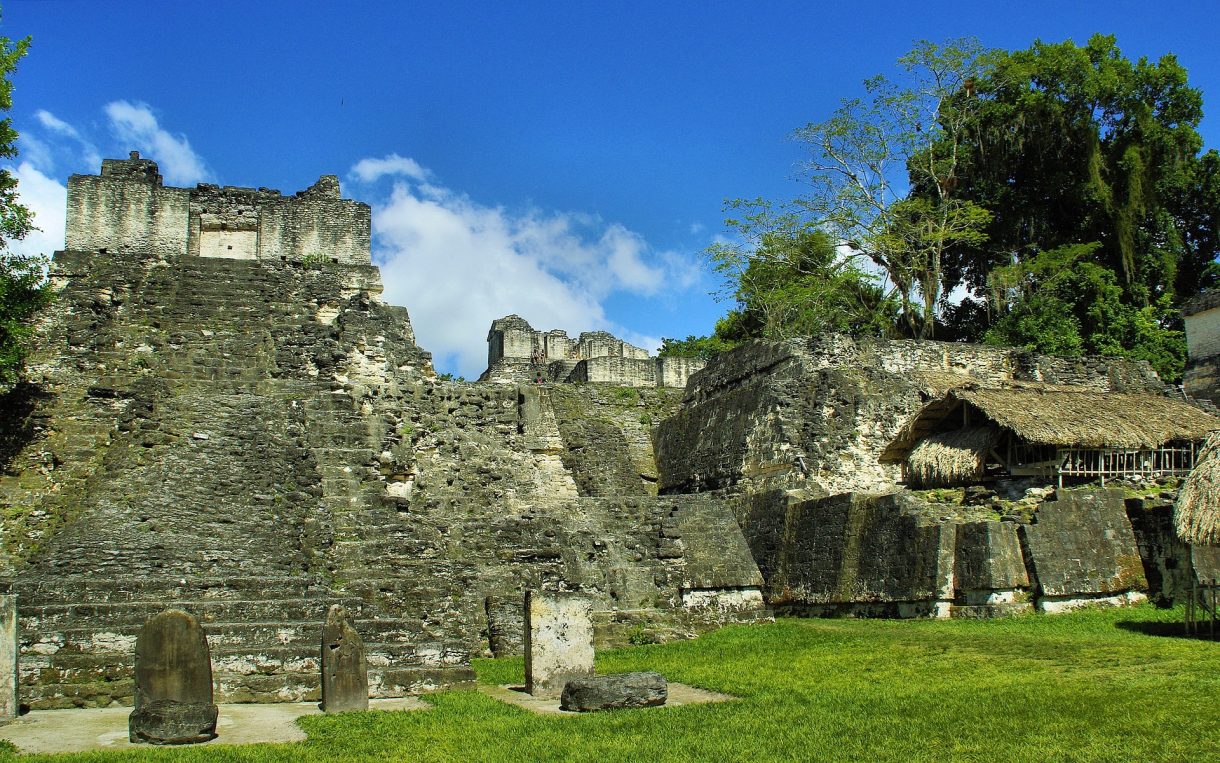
[{"x": 897, "y": 556}]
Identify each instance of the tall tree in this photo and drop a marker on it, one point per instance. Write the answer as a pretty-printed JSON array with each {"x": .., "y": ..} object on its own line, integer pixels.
[
  {"x": 788, "y": 278},
  {"x": 1076, "y": 145},
  {"x": 23, "y": 288},
  {"x": 884, "y": 171}
]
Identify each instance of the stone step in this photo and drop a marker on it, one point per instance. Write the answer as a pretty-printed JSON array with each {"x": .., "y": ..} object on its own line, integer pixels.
[
  {"x": 293, "y": 686},
  {"x": 394, "y": 638},
  {"x": 51, "y": 616},
  {"x": 69, "y": 589}
]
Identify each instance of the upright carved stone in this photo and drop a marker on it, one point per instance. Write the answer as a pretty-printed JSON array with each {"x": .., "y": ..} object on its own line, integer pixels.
[
  {"x": 558, "y": 641},
  {"x": 345, "y": 675},
  {"x": 173, "y": 697},
  {"x": 8, "y": 657}
]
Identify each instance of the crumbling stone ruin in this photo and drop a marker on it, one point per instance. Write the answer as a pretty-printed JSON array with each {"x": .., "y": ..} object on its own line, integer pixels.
[
  {"x": 517, "y": 354},
  {"x": 793, "y": 434},
  {"x": 222, "y": 416},
  {"x": 255, "y": 437}
]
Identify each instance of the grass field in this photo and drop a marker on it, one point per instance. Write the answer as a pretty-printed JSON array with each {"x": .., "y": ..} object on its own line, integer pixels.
[{"x": 1112, "y": 684}]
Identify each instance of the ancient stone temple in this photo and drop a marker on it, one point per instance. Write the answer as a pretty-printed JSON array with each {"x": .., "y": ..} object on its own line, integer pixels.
[
  {"x": 223, "y": 417},
  {"x": 516, "y": 353}
]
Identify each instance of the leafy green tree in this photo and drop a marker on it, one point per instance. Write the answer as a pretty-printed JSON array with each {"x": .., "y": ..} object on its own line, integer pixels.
[
  {"x": 23, "y": 288},
  {"x": 883, "y": 173},
  {"x": 1076, "y": 145},
  {"x": 788, "y": 279},
  {"x": 705, "y": 347},
  {"x": 1065, "y": 303}
]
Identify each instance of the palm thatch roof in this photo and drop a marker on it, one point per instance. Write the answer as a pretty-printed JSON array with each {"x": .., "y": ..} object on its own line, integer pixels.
[
  {"x": 950, "y": 458},
  {"x": 1061, "y": 416},
  {"x": 1196, "y": 515}
]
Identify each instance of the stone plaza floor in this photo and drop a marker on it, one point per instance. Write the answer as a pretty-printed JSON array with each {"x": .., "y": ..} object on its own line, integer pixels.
[{"x": 79, "y": 730}]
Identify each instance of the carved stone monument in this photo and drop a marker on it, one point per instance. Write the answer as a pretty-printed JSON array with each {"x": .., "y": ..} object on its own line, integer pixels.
[
  {"x": 173, "y": 695},
  {"x": 558, "y": 641},
  {"x": 345, "y": 675}
]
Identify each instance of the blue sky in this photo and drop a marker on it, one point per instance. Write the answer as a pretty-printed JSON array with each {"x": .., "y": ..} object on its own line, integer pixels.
[{"x": 566, "y": 161}]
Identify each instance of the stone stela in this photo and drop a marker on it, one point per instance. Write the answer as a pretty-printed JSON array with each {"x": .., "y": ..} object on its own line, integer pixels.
[
  {"x": 173, "y": 699},
  {"x": 9, "y": 645},
  {"x": 345, "y": 675},
  {"x": 558, "y": 641}
]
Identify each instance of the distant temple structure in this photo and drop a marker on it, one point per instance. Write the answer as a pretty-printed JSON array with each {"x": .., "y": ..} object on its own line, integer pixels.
[
  {"x": 516, "y": 354},
  {"x": 128, "y": 208},
  {"x": 1202, "y": 317}
]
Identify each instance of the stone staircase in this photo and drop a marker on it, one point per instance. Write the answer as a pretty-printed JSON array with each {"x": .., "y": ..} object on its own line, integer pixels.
[{"x": 78, "y": 639}]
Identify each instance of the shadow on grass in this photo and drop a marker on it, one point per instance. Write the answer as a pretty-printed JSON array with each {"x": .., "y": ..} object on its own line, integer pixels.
[{"x": 1170, "y": 630}]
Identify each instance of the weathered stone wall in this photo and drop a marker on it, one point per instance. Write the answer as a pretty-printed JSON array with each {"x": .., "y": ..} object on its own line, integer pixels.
[
  {"x": 851, "y": 553},
  {"x": 896, "y": 555},
  {"x": 1201, "y": 380},
  {"x": 605, "y": 435},
  {"x": 819, "y": 412},
  {"x": 128, "y": 209},
  {"x": 1081, "y": 549},
  {"x": 770, "y": 419},
  {"x": 1202, "y": 318}
]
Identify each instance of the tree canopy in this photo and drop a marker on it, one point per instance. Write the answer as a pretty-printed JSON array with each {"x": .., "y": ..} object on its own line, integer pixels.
[
  {"x": 23, "y": 288},
  {"x": 786, "y": 278},
  {"x": 1062, "y": 190},
  {"x": 1091, "y": 164}
]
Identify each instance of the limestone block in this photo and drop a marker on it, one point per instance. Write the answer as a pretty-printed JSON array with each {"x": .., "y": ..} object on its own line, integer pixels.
[
  {"x": 855, "y": 552},
  {"x": 1082, "y": 547},
  {"x": 173, "y": 694},
  {"x": 345, "y": 675},
  {"x": 558, "y": 641},
  {"x": 9, "y": 646},
  {"x": 614, "y": 692},
  {"x": 988, "y": 562}
]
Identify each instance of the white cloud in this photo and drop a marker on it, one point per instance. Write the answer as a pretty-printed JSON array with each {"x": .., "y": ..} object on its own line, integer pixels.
[
  {"x": 59, "y": 128},
  {"x": 458, "y": 265},
  {"x": 55, "y": 124},
  {"x": 48, "y": 200},
  {"x": 369, "y": 170},
  {"x": 136, "y": 125},
  {"x": 36, "y": 152}
]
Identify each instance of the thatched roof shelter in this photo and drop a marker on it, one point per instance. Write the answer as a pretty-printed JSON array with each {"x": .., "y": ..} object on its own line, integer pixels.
[
  {"x": 1196, "y": 514},
  {"x": 950, "y": 458},
  {"x": 1042, "y": 414}
]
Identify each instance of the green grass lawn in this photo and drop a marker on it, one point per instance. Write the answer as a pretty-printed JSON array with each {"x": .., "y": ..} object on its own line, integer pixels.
[{"x": 1103, "y": 685}]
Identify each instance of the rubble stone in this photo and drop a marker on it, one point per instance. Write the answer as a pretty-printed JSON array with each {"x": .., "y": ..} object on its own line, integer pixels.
[{"x": 614, "y": 692}]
